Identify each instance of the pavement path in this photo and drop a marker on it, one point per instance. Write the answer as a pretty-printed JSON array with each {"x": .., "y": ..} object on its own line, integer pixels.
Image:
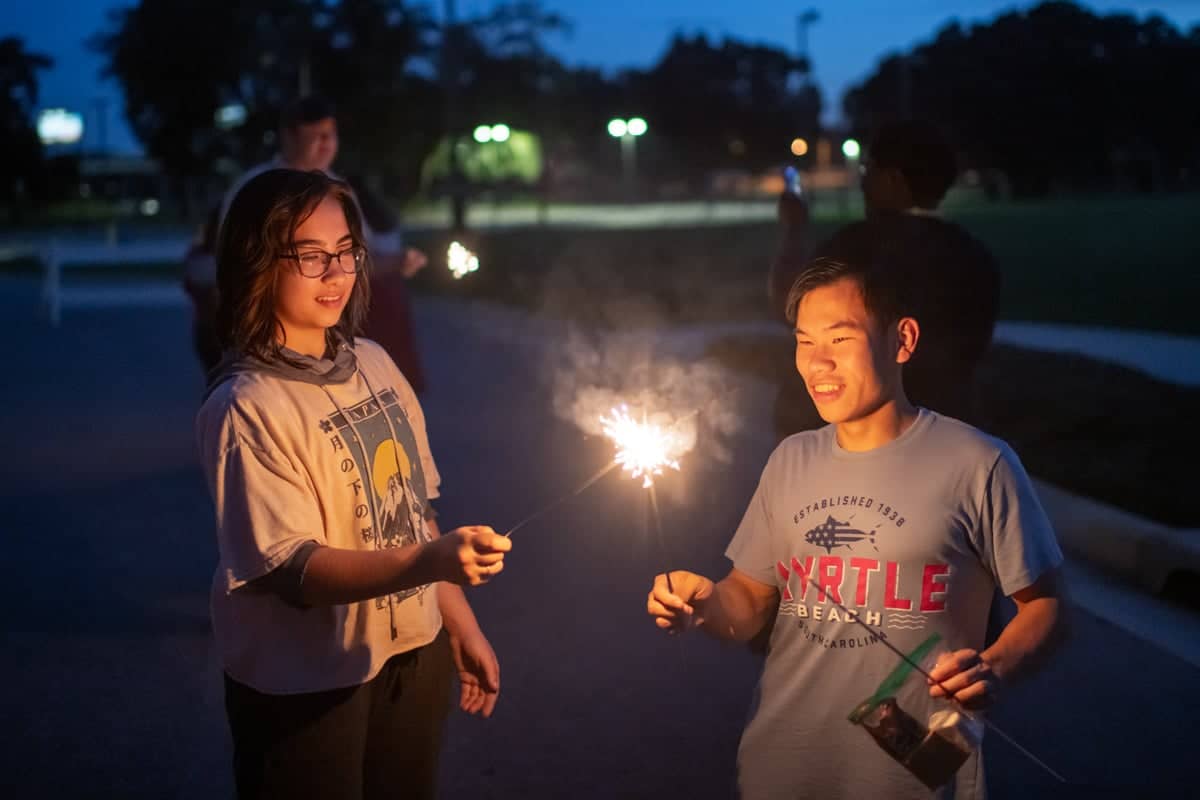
[{"x": 114, "y": 691}]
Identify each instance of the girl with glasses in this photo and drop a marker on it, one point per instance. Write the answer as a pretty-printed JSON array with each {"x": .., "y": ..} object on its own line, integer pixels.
[{"x": 337, "y": 605}]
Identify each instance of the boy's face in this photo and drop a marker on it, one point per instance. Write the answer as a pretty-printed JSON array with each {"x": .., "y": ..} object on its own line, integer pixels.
[
  {"x": 313, "y": 145},
  {"x": 850, "y": 366}
]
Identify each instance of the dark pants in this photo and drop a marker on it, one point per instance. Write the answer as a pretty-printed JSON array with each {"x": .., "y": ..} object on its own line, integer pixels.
[{"x": 377, "y": 740}]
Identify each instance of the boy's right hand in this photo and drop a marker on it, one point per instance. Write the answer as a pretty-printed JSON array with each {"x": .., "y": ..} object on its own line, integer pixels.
[
  {"x": 470, "y": 555},
  {"x": 678, "y": 610}
]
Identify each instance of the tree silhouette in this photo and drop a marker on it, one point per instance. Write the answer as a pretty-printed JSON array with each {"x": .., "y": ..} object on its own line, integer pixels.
[
  {"x": 1052, "y": 94},
  {"x": 732, "y": 104},
  {"x": 21, "y": 166}
]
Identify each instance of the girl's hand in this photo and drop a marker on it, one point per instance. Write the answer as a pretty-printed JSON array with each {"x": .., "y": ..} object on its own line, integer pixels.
[
  {"x": 470, "y": 555},
  {"x": 478, "y": 673}
]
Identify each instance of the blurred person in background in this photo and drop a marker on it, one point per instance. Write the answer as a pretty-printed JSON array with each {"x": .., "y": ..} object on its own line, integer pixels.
[
  {"x": 907, "y": 171},
  {"x": 308, "y": 136}
]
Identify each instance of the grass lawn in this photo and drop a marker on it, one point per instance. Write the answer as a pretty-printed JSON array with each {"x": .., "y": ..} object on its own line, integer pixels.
[
  {"x": 82, "y": 273},
  {"x": 1122, "y": 261}
]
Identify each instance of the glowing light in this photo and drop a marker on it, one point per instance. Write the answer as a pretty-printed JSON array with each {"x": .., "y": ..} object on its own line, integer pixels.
[
  {"x": 59, "y": 126},
  {"x": 483, "y": 134},
  {"x": 643, "y": 449},
  {"x": 230, "y": 116},
  {"x": 461, "y": 261},
  {"x": 799, "y": 147},
  {"x": 500, "y": 133},
  {"x": 637, "y": 126},
  {"x": 617, "y": 128},
  {"x": 850, "y": 148}
]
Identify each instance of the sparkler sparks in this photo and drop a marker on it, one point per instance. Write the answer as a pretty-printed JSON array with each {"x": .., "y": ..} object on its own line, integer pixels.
[
  {"x": 461, "y": 261},
  {"x": 643, "y": 449}
]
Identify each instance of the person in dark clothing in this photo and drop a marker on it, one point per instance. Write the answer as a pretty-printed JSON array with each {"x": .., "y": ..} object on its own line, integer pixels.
[
  {"x": 200, "y": 283},
  {"x": 389, "y": 317},
  {"x": 955, "y": 281}
]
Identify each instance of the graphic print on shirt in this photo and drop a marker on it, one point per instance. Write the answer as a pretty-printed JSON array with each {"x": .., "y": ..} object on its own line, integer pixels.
[
  {"x": 850, "y": 568},
  {"x": 384, "y": 474}
]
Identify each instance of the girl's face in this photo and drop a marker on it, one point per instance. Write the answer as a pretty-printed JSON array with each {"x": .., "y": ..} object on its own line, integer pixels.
[{"x": 307, "y": 307}]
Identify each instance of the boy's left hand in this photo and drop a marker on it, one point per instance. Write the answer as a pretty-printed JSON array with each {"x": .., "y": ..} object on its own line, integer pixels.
[
  {"x": 966, "y": 677},
  {"x": 478, "y": 673}
]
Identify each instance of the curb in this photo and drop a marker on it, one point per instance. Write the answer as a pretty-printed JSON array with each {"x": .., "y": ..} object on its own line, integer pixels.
[{"x": 1141, "y": 550}]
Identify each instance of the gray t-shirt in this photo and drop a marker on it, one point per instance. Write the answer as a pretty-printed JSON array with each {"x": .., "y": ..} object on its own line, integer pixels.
[{"x": 913, "y": 537}]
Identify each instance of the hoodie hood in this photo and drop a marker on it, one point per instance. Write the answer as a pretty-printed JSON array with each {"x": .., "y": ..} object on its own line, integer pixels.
[{"x": 292, "y": 366}]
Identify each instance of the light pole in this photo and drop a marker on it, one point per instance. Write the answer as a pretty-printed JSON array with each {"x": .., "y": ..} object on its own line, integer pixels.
[
  {"x": 628, "y": 132},
  {"x": 851, "y": 150},
  {"x": 803, "y": 23}
]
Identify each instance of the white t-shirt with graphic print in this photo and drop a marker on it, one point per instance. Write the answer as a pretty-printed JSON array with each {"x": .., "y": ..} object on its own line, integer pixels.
[
  {"x": 912, "y": 537},
  {"x": 290, "y": 462}
]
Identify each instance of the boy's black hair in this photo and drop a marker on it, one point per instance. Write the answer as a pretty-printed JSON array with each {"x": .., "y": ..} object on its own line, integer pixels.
[
  {"x": 304, "y": 111},
  {"x": 882, "y": 292},
  {"x": 922, "y": 155}
]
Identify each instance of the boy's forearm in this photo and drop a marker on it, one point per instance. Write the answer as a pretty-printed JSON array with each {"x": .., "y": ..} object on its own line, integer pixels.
[
  {"x": 731, "y": 613},
  {"x": 1028, "y": 639}
]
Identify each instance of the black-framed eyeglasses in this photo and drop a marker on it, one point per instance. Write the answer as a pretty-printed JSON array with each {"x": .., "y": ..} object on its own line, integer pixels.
[{"x": 315, "y": 263}]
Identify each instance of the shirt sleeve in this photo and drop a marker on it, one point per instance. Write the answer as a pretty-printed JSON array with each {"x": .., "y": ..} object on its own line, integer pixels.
[
  {"x": 1016, "y": 539},
  {"x": 750, "y": 549},
  {"x": 265, "y": 511}
]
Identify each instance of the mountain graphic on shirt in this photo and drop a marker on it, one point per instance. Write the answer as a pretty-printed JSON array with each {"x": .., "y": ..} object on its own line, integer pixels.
[{"x": 395, "y": 520}]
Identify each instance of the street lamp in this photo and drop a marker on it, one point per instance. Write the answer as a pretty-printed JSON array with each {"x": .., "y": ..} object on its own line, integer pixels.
[
  {"x": 492, "y": 133},
  {"x": 628, "y": 132}
]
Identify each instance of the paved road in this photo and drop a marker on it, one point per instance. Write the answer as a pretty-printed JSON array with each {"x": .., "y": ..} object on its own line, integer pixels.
[{"x": 113, "y": 689}]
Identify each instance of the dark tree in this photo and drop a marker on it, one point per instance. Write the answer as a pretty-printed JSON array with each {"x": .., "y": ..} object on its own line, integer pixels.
[
  {"x": 1052, "y": 95},
  {"x": 22, "y": 171}
]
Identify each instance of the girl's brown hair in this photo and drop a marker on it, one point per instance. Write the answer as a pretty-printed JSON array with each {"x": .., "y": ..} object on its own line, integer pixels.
[{"x": 258, "y": 232}]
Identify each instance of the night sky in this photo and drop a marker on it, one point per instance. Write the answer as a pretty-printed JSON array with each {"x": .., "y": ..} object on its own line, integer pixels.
[{"x": 845, "y": 44}]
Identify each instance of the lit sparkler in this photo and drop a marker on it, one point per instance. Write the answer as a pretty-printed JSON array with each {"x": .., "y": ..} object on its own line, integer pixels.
[
  {"x": 461, "y": 261},
  {"x": 643, "y": 449}
]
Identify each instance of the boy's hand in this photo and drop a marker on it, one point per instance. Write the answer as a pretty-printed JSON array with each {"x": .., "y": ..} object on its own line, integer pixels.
[
  {"x": 677, "y": 610},
  {"x": 967, "y": 677}
]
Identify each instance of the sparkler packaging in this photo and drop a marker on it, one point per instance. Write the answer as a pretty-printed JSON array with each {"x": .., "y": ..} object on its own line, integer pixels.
[{"x": 932, "y": 750}]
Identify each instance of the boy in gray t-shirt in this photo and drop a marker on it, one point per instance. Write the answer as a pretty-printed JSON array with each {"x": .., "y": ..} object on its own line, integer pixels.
[{"x": 908, "y": 519}]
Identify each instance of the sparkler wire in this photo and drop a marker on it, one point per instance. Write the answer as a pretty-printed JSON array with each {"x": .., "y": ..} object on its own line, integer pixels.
[
  {"x": 548, "y": 507},
  {"x": 882, "y": 637},
  {"x": 662, "y": 546}
]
